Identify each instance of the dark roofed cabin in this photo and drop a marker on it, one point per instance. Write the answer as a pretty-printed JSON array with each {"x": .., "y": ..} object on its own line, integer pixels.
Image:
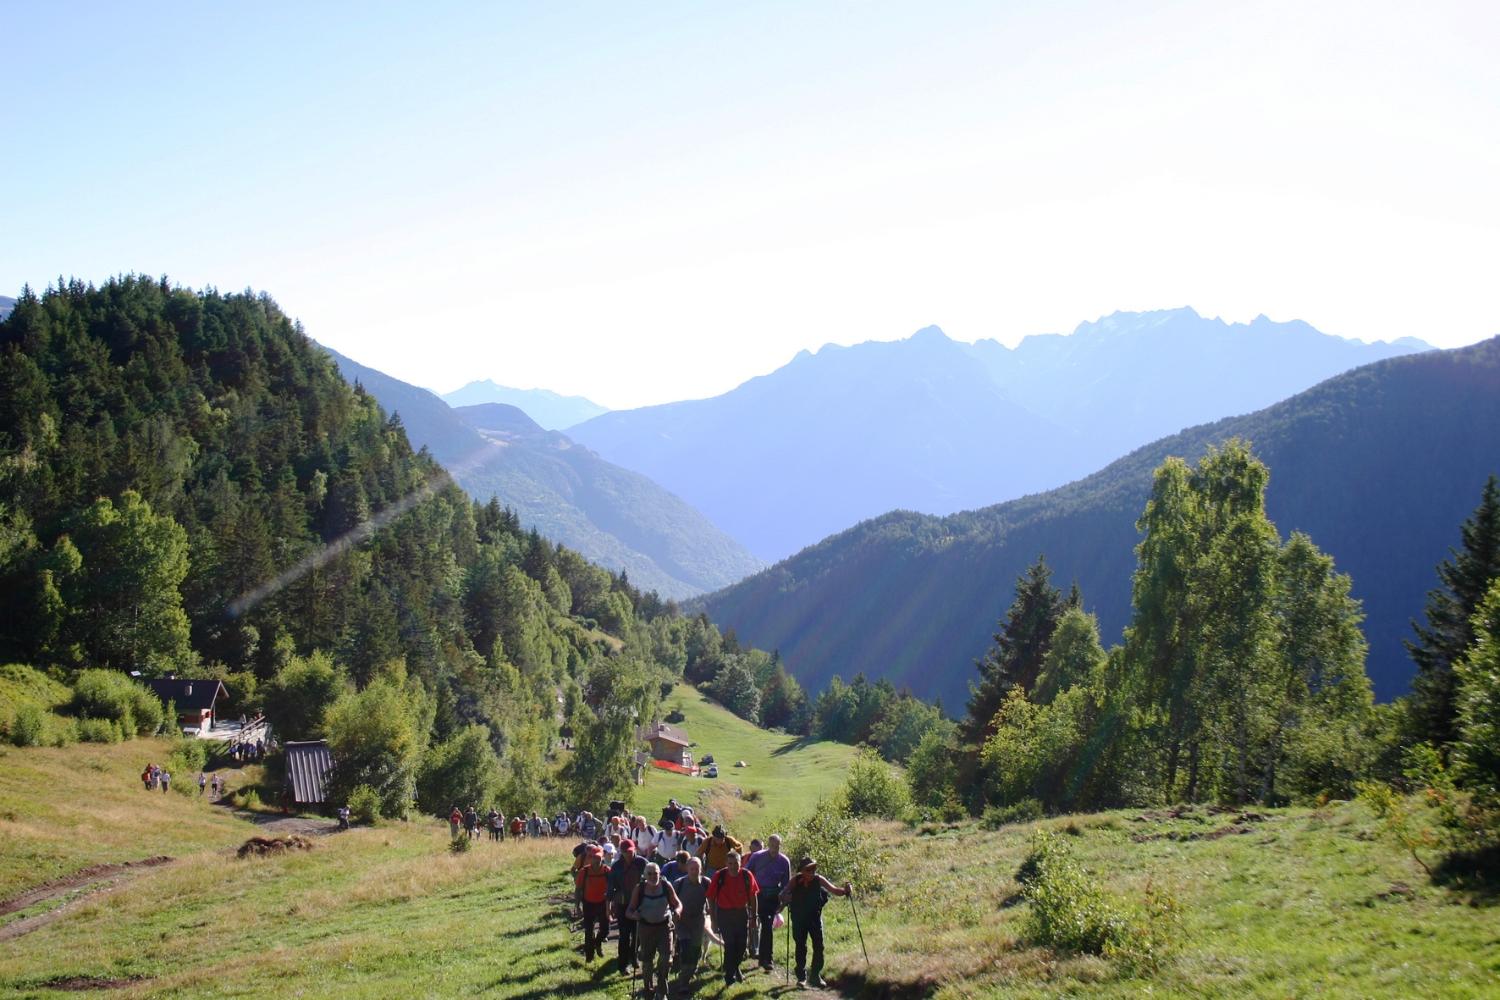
[
  {"x": 668, "y": 743},
  {"x": 308, "y": 767},
  {"x": 195, "y": 700}
]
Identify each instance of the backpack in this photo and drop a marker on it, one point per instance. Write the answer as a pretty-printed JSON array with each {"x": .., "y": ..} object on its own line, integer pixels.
[{"x": 654, "y": 909}]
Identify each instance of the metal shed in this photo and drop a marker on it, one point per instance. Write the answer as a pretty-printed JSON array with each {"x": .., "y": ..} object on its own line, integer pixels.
[{"x": 308, "y": 766}]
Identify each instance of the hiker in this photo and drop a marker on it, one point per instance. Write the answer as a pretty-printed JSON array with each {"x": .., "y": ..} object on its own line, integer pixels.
[
  {"x": 773, "y": 870},
  {"x": 455, "y": 820},
  {"x": 147, "y": 775},
  {"x": 533, "y": 826},
  {"x": 202, "y": 782},
  {"x": 669, "y": 813},
  {"x": 560, "y": 825},
  {"x": 668, "y": 843},
  {"x": 166, "y": 781},
  {"x": 804, "y": 897},
  {"x": 676, "y": 867},
  {"x": 624, "y": 877},
  {"x": 653, "y": 907},
  {"x": 495, "y": 822},
  {"x": 733, "y": 892},
  {"x": 216, "y": 786},
  {"x": 343, "y": 817},
  {"x": 591, "y": 898},
  {"x": 716, "y": 850},
  {"x": 517, "y": 828},
  {"x": 692, "y": 841},
  {"x": 543, "y": 828},
  {"x": 694, "y": 926},
  {"x": 471, "y": 822}
]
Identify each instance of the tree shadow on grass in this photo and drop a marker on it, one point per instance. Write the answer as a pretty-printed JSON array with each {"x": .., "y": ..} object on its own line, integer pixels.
[
  {"x": 791, "y": 746},
  {"x": 1475, "y": 873}
]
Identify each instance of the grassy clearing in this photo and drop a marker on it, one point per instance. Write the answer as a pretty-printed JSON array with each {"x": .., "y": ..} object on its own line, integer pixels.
[
  {"x": 790, "y": 774},
  {"x": 1306, "y": 903},
  {"x": 1297, "y": 903},
  {"x": 67, "y": 808}
]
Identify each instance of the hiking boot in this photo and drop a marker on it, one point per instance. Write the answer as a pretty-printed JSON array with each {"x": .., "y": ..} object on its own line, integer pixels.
[
  {"x": 801, "y": 983},
  {"x": 820, "y": 982}
]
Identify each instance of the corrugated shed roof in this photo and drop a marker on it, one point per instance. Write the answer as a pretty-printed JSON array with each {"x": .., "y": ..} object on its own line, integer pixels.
[
  {"x": 190, "y": 695},
  {"x": 308, "y": 766}
]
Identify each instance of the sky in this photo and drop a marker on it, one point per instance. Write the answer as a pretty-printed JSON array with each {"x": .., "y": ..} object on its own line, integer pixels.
[{"x": 655, "y": 201}]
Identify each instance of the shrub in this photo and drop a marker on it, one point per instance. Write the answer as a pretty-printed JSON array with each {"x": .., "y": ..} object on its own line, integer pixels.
[
  {"x": 1072, "y": 911},
  {"x": 460, "y": 845},
  {"x": 249, "y": 798},
  {"x": 1023, "y": 811},
  {"x": 111, "y": 695},
  {"x": 98, "y": 731},
  {"x": 873, "y": 788},
  {"x": 844, "y": 852},
  {"x": 29, "y": 729},
  {"x": 187, "y": 757},
  {"x": 364, "y": 804}
]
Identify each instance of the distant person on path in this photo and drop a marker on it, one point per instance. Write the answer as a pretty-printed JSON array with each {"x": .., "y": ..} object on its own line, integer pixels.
[
  {"x": 773, "y": 871},
  {"x": 804, "y": 897},
  {"x": 343, "y": 817},
  {"x": 517, "y": 828},
  {"x": 591, "y": 895},
  {"x": 202, "y": 782},
  {"x": 677, "y": 867},
  {"x": 166, "y": 781},
  {"x": 624, "y": 877},
  {"x": 668, "y": 843},
  {"x": 148, "y": 776},
  {"x": 496, "y": 823},
  {"x": 733, "y": 892},
  {"x": 653, "y": 906},
  {"x": 455, "y": 820},
  {"x": 471, "y": 822}
]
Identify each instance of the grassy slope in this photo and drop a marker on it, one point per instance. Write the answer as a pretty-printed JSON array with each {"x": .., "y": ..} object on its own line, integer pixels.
[
  {"x": 1302, "y": 905},
  {"x": 789, "y": 775}
]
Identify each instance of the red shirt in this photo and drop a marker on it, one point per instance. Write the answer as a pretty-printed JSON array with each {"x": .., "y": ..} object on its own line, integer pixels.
[
  {"x": 733, "y": 891},
  {"x": 595, "y": 885}
]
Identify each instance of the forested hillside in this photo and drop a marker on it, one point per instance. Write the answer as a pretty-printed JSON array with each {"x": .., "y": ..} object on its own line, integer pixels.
[
  {"x": 937, "y": 426},
  {"x": 186, "y": 484},
  {"x": 1377, "y": 465},
  {"x": 612, "y": 516}
]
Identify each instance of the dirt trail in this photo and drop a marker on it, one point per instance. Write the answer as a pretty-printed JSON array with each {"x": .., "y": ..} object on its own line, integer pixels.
[{"x": 87, "y": 876}]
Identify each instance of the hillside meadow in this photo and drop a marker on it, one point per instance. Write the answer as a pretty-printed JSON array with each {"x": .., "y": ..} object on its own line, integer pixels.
[{"x": 1273, "y": 903}]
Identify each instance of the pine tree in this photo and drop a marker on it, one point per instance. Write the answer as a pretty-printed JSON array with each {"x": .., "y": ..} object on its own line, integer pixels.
[
  {"x": 1020, "y": 646},
  {"x": 1465, "y": 577}
]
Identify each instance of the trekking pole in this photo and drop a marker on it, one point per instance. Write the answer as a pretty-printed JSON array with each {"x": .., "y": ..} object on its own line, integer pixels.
[
  {"x": 855, "y": 910},
  {"x": 786, "y": 953}
]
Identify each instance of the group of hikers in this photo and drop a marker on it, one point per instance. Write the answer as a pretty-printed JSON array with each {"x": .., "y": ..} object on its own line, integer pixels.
[
  {"x": 247, "y": 751},
  {"x": 669, "y": 889},
  {"x": 469, "y": 823},
  {"x": 155, "y": 776}
]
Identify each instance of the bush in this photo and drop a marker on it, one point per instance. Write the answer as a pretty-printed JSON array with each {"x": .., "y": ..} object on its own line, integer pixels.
[
  {"x": 364, "y": 805},
  {"x": 98, "y": 731},
  {"x": 29, "y": 729},
  {"x": 187, "y": 757},
  {"x": 1072, "y": 911},
  {"x": 460, "y": 845},
  {"x": 111, "y": 695},
  {"x": 873, "y": 788},
  {"x": 844, "y": 852},
  {"x": 1017, "y": 812}
]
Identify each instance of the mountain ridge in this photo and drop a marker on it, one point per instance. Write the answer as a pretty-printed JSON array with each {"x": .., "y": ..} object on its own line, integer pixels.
[
  {"x": 553, "y": 411},
  {"x": 615, "y": 517},
  {"x": 938, "y": 425},
  {"x": 914, "y": 597}
]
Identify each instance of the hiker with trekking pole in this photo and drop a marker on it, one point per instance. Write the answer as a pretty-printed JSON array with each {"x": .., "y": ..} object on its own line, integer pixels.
[
  {"x": 624, "y": 877},
  {"x": 773, "y": 872},
  {"x": 734, "y": 892},
  {"x": 654, "y": 907},
  {"x": 805, "y": 897},
  {"x": 695, "y": 927}
]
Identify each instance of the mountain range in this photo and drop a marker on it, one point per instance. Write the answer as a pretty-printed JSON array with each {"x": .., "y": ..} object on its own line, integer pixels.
[
  {"x": 612, "y": 516},
  {"x": 551, "y": 410},
  {"x": 1379, "y": 465},
  {"x": 936, "y": 425},
  {"x": 6, "y": 305}
]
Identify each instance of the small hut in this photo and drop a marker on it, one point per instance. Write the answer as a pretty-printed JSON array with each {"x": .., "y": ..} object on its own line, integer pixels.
[{"x": 195, "y": 700}]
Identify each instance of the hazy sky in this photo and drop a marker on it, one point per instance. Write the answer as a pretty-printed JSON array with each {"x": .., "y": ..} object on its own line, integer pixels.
[{"x": 649, "y": 201}]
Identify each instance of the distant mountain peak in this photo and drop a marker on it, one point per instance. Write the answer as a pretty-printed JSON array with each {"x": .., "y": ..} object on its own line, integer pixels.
[
  {"x": 930, "y": 334},
  {"x": 551, "y": 410}
]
